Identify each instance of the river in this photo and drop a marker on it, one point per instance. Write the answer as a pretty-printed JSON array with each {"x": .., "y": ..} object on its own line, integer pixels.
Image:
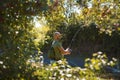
[{"x": 74, "y": 59}]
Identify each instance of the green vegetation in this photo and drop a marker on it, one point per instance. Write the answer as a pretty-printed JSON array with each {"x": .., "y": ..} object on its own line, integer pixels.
[{"x": 20, "y": 40}]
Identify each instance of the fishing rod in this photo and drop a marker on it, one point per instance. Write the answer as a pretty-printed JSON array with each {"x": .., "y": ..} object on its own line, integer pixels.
[{"x": 73, "y": 38}]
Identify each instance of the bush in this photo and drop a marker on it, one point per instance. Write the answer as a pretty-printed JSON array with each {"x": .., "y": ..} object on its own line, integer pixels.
[
  {"x": 60, "y": 70},
  {"x": 98, "y": 62}
]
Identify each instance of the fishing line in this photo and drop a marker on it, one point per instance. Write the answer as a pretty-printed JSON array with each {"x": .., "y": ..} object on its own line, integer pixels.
[{"x": 74, "y": 38}]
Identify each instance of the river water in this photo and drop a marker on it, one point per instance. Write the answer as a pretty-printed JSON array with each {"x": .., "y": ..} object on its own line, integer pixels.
[{"x": 74, "y": 59}]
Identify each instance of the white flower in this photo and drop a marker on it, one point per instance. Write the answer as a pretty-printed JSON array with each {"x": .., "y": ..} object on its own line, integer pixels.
[
  {"x": 16, "y": 32},
  {"x": 53, "y": 78},
  {"x": 99, "y": 56},
  {"x": 63, "y": 66},
  {"x": 88, "y": 59},
  {"x": 8, "y": 32},
  {"x": 55, "y": 74},
  {"x": 103, "y": 61},
  {"x": 91, "y": 66},
  {"x": 69, "y": 75},
  {"x": 111, "y": 62},
  {"x": 114, "y": 59},
  {"x": 56, "y": 67},
  {"x": 1, "y": 62},
  {"x": 68, "y": 70},
  {"x": 61, "y": 72},
  {"x": 99, "y": 52},
  {"x": 77, "y": 79},
  {"x": 62, "y": 79},
  {"x": 83, "y": 78},
  {"x": 51, "y": 69},
  {"x": 47, "y": 69},
  {"x": 108, "y": 63},
  {"x": 50, "y": 77},
  {"x": 60, "y": 61},
  {"x": 99, "y": 64},
  {"x": 4, "y": 66}
]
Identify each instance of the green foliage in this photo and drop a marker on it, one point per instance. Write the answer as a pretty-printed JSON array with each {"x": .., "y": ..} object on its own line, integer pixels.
[
  {"x": 18, "y": 37},
  {"x": 61, "y": 70},
  {"x": 103, "y": 13},
  {"x": 98, "y": 62}
]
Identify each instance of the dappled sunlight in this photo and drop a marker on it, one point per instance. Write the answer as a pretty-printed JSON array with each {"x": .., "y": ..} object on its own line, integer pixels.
[
  {"x": 39, "y": 21},
  {"x": 40, "y": 34},
  {"x": 37, "y": 24},
  {"x": 39, "y": 30}
]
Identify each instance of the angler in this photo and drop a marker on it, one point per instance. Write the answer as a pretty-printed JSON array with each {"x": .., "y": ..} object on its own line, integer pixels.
[{"x": 57, "y": 51}]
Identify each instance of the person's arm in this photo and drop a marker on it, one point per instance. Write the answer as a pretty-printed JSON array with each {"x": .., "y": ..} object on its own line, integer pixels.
[{"x": 65, "y": 52}]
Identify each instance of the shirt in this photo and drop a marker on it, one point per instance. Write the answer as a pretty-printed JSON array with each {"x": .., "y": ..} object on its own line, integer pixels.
[{"x": 56, "y": 45}]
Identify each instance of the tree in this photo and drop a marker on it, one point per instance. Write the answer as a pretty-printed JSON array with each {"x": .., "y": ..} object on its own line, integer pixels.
[
  {"x": 105, "y": 14},
  {"x": 16, "y": 37}
]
